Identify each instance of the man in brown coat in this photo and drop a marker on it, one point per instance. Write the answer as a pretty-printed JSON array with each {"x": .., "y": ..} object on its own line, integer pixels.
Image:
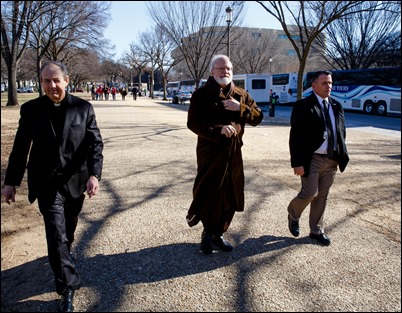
[{"x": 218, "y": 113}]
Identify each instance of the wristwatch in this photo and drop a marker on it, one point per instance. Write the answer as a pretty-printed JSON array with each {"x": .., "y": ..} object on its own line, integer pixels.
[{"x": 97, "y": 177}]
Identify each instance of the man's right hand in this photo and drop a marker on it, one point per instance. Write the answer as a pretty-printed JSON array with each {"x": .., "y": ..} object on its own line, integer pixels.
[
  {"x": 9, "y": 193},
  {"x": 299, "y": 170}
]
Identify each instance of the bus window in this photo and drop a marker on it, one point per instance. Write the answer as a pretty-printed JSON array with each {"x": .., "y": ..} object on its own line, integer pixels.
[
  {"x": 258, "y": 84},
  {"x": 239, "y": 83},
  {"x": 280, "y": 79}
]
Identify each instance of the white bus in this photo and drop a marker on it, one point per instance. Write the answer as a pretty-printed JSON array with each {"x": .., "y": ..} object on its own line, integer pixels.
[
  {"x": 373, "y": 90},
  {"x": 285, "y": 87},
  {"x": 172, "y": 88},
  {"x": 257, "y": 85},
  {"x": 188, "y": 85}
]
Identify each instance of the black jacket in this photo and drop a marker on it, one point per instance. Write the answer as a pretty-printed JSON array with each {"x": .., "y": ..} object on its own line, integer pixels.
[
  {"x": 307, "y": 129},
  {"x": 67, "y": 159}
]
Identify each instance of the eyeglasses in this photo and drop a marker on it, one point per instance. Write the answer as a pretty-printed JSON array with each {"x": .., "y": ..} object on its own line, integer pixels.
[{"x": 221, "y": 69}]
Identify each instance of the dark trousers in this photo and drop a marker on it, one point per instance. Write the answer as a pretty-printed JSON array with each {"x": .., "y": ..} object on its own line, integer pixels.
[
  {"x": 221, "y": 213},
  {"x": 60, "y": 214}
]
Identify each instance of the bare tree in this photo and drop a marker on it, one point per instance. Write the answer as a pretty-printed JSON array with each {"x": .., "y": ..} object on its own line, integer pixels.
[
  {"x": 164, "y": 58},
  {"x": 362, "y": 40},
  {"x": 68, "y": 27},
  {"x": 255, "y": 52},
  {"x": 83, "y": 68},
  {"x": 309, "y": 20},
  {"x": 136, "y": 60},
  {"x": 109, "y": 69},
  {"x": 149, "y": 48},
  {"x": 16, "y": 22},
  {"x": 196, "y": 27},
  {"x": 26, "y": 70}
]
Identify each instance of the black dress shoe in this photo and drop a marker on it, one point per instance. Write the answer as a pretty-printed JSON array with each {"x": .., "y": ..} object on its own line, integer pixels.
[
  {"x": 72, "y": 257},
  {"x": 321, "y": 238},
  {"x": 66, "y": 301},
  {"x": 206, "y": 242},
  {"x": 221, "y": 243},
  {"x": 293, "y": 226}
]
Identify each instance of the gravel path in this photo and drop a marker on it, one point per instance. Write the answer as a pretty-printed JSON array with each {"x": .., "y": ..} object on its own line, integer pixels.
[{"x": 136, "y": 253}]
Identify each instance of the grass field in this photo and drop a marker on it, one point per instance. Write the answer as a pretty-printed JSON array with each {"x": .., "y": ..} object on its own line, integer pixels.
[{"x": 24, "y": 97}]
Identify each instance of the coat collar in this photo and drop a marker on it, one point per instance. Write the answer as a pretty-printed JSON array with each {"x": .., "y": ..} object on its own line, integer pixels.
[{"x": 217, "y": 90}]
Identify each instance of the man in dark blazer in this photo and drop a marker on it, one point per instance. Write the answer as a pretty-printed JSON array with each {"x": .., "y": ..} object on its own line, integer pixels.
[
  {"x": 60, "y": 134},
  {"x": 317, "y": 148}
]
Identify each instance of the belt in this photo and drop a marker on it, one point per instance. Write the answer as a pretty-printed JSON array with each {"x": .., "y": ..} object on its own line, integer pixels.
[{"x": 335, "y": 157}]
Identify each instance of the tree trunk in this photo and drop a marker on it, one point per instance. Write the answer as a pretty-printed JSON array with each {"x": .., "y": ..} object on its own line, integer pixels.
[{"x": 12, "y": 90}]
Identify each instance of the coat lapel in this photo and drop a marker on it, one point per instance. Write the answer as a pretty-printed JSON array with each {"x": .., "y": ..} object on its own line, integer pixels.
[{"x": 71, "y": 111}]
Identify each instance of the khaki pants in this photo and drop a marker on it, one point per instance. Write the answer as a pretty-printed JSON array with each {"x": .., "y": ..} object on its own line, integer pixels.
[{"x": 314, "y": 191}]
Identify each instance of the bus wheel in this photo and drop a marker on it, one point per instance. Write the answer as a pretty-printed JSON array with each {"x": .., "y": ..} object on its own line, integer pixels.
[
  {"x": 381, "y": 108},
  {"x": 369, "y": 107}
]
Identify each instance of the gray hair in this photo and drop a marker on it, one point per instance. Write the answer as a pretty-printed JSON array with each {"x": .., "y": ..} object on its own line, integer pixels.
[
  {"x": 57, "y": 63},
  {"x": 216, "y": 58}
]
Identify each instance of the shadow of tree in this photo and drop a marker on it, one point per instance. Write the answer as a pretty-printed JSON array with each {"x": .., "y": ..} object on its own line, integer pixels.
[{"x": 108, "y": 275}]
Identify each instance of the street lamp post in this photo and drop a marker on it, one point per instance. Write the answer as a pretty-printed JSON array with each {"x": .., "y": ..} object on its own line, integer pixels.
[
  {"x": 131, "y": 75},
  {"x": 229, "y": 20},
  {"x": 270, "y": 64},
  {"x": 149, "y": 85}
]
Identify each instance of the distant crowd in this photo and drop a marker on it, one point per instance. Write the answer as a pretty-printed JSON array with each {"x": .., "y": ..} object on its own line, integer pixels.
[{"x": 103, "y": 92}]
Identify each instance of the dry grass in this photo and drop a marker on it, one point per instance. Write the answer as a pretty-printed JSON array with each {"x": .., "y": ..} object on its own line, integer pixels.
[{"x": 24, "y": 97}]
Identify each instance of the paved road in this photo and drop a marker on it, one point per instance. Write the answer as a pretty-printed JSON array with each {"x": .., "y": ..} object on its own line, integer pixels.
[
  {"x": 381, "y": 124},
  {"x": 136, "y": 252}
]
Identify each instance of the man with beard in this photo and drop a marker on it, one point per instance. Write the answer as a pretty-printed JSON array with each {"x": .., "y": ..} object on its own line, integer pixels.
[{"x": 218, "y": 113}]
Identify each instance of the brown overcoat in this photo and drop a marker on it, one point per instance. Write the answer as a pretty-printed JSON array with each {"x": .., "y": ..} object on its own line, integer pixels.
[{"x": 218, "y": 155}]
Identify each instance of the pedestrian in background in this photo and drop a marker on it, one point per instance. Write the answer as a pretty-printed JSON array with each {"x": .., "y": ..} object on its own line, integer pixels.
[
  {"x": 99, "y": 93},
  {"x": 93, "y": 92},
  {"x": 135, "y": 90},
  {"x": 123, "y": 92},
  {"x": 106, "y": 92},
  {"x": 217, "y": 114},
  {"x": 113, "y": 91},
  {"x": 59, "y": 134},
  {"x": 317, "y": 147}
]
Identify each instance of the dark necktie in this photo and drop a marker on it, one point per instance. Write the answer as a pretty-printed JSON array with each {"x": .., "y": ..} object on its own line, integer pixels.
[{"x": 330, "y": 149}]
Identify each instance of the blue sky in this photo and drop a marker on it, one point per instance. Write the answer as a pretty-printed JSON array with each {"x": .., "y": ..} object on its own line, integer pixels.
[{"x": 129, "y": 18}]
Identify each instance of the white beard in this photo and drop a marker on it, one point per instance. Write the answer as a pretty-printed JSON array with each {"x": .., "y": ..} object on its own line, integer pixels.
[{"x": 223, "y": 80}]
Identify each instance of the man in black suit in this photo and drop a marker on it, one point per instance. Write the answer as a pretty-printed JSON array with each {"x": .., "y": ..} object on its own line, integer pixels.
[
  {"x": 61, "y": 136},
  {"x": 317, "y": 148}
]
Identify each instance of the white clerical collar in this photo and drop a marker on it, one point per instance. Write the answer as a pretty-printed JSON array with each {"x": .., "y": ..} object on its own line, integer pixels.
[{"x": 57, "y": 104}]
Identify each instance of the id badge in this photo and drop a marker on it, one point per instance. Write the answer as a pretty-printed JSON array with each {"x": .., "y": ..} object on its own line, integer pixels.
[{"x": 325, "y": 135}]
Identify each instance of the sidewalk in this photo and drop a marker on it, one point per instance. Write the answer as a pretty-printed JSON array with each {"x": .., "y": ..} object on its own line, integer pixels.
[{"x": 136, "y": 253}]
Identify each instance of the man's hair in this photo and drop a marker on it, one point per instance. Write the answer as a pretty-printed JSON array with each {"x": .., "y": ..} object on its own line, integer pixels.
[
  {"x": 216, "y": 58},
  {"x": 57, "y": 63},
  {"x": 318, "y": 73}
]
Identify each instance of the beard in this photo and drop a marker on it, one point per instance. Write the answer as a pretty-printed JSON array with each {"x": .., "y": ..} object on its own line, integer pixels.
[{"x": 223, "y": 80}]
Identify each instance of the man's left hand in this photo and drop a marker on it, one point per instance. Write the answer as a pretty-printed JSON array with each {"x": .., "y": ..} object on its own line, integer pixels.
[{"x": 92, "y": 186}]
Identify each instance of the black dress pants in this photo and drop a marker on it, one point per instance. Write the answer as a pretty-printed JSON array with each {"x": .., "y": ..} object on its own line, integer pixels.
[{"x": 60, "y": 214}]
